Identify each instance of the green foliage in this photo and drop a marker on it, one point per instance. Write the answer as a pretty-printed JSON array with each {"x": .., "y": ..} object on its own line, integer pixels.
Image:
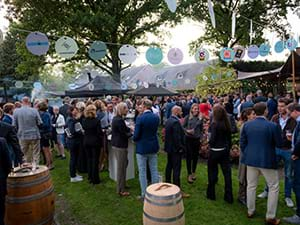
[
  {"x": 116, "y": 21},
  {"x": 269, "y": 14},
  {"x": 217, "y": 80}
]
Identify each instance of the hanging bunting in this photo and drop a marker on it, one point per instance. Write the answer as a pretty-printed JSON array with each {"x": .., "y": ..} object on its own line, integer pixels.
[
  {"x": 251, "y": 31},
  {"x": 154, "y": 55},
  {"x": 211, "y": 13},
  {"x": 172, "y": 5},
  {"x": 279, "y": 46},
  {"x": 233, "y": 24},
  {"x": 37, "y": 85},
  {"x": 227, "y": 54},
  {"x": 175, "y": 56},
  {"x": 202, "y": 55},
  {"x": 253, "y": 51},
  {"x": 37, "y": 43},
  {"x": 264, "y": 49},
  {"x": 127, "y": 54},
  {"x": 19, "y": 84},
  {"x": 66, "y": 47},
  {"x": 291, "y": 44},
  {"x": 239, "y": 52},
  {"x": 97, "y": 50}
]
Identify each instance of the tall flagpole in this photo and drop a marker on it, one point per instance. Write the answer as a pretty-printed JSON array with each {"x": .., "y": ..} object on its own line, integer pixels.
[{"x": 293, "y": 74}]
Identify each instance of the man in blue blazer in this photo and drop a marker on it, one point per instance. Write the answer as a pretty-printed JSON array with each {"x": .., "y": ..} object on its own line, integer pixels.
[
  {"x": 147, "y": 146},
  {"x": 259, "y": 138},
  {"x": 294, "y": 111}
]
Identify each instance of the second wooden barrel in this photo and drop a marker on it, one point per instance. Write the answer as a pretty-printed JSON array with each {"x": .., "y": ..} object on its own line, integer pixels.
[
  {"x": 163, "y": 205},
  {"x": 30, "y": 197}
]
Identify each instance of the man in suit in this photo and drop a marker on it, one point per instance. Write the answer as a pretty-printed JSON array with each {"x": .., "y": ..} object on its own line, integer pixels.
[
  {"x": 63, "y": 110},
  {"x": 259, "y": 139},
  {"x": 27, "y": 121},
  {"x": 260, "y": 97},
  {"x": 5, "y": 167},
  {"x": 147, "y": 146},
  {"x": 294, "y": 111},
  {"x": 174, "y": 146},
  {"x": 247, "y": 104},
  {"x": 287, "y": 125},
  {"x": 9, "y": 133},
  {"x": 272, "y": 106}
]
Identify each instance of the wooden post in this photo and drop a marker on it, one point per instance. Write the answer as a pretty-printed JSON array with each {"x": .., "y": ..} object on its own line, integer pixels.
[{"x": 293, "y": 75}]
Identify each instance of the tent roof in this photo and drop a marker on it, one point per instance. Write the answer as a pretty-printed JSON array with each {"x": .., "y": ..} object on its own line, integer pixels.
[
  {"x": 249, "y": 75},
  {"x": 100, "y": 85},
  {"x": 287, "y": 68},
  {"x": 153, "y": 90}
]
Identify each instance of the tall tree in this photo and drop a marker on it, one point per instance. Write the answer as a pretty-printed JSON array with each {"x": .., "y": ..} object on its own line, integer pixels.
[
  {"x": 115, "y": 21},
  {"x": 266, "y": 14}
]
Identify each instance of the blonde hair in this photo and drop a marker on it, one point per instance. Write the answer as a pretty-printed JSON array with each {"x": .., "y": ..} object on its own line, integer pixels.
[
  {"x": 191, "y": 113},
  {"x": 90, "y": 111},
  {"x": 80, "y": 106},
  {"x": 100, "y": 105},
  {"x": 120, "y": 109}
]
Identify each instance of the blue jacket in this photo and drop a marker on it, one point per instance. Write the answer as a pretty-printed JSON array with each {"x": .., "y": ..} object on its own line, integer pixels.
[
  {"x": 246, "y": 105},
  {"x": 272, "y": 107},
  {"x": 145, "y": 133},
  {"x": 7, "y": 119},
  {"x": 258, "y": 141},
  {"x": 45, "y": 127}
]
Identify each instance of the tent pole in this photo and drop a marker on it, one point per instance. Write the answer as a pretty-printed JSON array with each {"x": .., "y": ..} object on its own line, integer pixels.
[{"x": 293, "y": 74}]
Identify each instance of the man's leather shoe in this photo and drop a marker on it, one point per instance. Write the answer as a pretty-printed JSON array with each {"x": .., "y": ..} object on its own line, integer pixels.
[{"x": 272, "y": 221}]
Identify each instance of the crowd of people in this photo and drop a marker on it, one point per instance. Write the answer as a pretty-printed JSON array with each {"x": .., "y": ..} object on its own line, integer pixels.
[{"x": 269, "y": 132}]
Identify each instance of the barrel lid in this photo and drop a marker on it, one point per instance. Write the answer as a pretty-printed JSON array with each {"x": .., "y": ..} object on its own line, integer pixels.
[
  {"x": 27, "y": 171},
  {"x": 163, "y": 189}
]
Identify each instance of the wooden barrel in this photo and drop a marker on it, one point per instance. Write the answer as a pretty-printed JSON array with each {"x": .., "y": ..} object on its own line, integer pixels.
[
  {"x": 30, "y": 197},
  {"x": 163, "y": 205}
]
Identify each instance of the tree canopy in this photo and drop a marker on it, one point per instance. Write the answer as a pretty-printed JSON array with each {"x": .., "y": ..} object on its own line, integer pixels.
[
  {"x": 116, "y": 21},
  {"x": 266, "y": 14}
]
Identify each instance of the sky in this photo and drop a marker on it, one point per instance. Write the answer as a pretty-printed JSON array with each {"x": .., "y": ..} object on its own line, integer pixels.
[{"x": 183, "y": 34}]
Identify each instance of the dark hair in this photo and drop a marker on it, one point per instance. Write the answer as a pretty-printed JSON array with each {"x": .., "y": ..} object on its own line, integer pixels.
[
  {"x": 247, "y": 112},
  {"x": 71, "y": 109},
  {"x": 220, "y": 117},
  {"x": 260, "y": 108},
  {"x": 204, "y": 100},
  {"x": 283, "y": 100},
  {"x": 8, "y": 107},
  {"x": 43, "y": 106},
  {"x": 293, "y": 107}
]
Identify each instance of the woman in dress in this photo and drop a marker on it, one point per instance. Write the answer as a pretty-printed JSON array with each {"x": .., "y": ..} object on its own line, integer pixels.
[
  {"x": 220, "y": 145},
  {"x": 193, "y": 128}
]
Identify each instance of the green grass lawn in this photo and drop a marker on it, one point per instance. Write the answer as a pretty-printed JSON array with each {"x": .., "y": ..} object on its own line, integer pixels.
[{"x": 100, "y": 205}]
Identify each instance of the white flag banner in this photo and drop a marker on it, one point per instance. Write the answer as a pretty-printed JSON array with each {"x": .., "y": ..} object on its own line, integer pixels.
[
  {"x": 211, "y": 13},
  {"x": 233, "y": 24},
  {"x": 251, "y": 31},
  {"x": 172, "y": 5}
]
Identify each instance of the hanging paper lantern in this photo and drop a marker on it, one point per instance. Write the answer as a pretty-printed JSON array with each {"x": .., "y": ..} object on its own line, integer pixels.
[
  {"x": 19, "y": 84},
  {"x": 91, "y": 87},
  {"x": 202, "y": 55},
  {"x": 227, "y": 54},
  {"x": 66, "y": 47},
  {"x": 37, "y": 43},
  {"x": 127, "y": 54},
  {"x": 291, "y": 44},
  {"x": 174, "y": 83},
  {"x": 172, "y": 5},
  {"x": 239, "y": 52},
  {"x": 264, "y": 49},
  {"x": 37, "y": 85},
  {"x": 1, "y": 36},
  {"x": 175, "y": 56},
  {"x": 211, "y": 13},
  {"x": 279, "y": 46},
  {"x": 146, "y": 85},
  {"x": 154, "y": 55},
  {"x": 97, "y": 50},
  {"x": 253, "y": 51},
  {"x": 124, "y": 86}
]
